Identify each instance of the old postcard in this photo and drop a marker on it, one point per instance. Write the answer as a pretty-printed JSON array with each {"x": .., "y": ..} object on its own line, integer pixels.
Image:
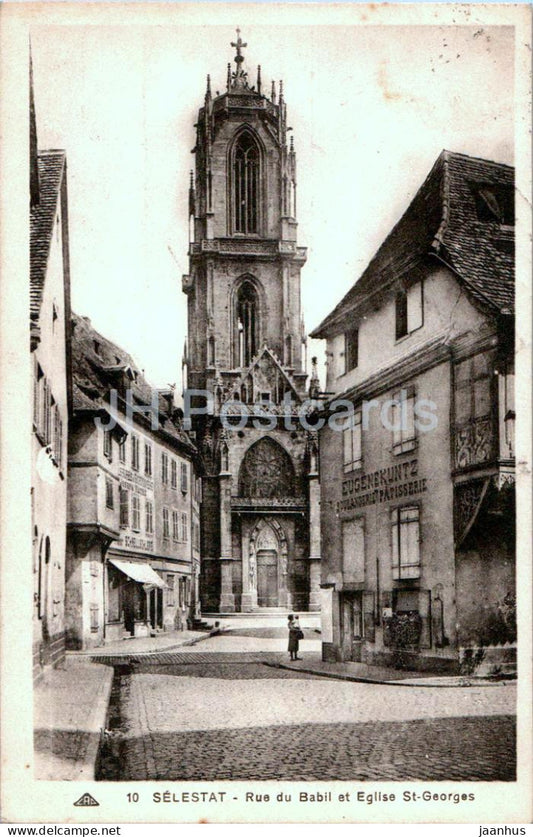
[{"x": 266, "y": 455}]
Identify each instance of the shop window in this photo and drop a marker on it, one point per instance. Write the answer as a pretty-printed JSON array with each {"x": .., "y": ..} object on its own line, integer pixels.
[
  {"x": 402, "y": 414},
  {"x": 135, "y": 513},
  {"x": 147, "y": 459},
  {"x": 134, "y": 452},
  {"x": 108, "y": 445},
  {"x": 170, "y": 589},
  {"x": 405, "y": 536},
  {"x": 184, "y": 478},
  {"x": 114, "y": 604},
  {"x": 109, "y": 493},
  {"x": 351, "y": 350},
  {"x": 352, "y": 443},
  {"x": 173, "y": 473},
  {"x": 164, "y": 468},
  {"x": 175, "y": 526},
  {"x": 409, "y": 309},
  {"x": 166, "y": 527},
  {"x": 149, "y": 515},
  {"x": 124, "y": 516}
]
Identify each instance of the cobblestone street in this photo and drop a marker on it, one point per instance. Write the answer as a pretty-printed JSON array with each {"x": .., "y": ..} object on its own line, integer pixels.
[{"x": 211, "y": 717}]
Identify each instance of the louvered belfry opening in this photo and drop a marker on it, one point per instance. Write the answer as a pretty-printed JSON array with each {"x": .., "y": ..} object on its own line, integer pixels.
[
  {"x": 247, "y": 324},
  {"x": 246, "y": 185}
]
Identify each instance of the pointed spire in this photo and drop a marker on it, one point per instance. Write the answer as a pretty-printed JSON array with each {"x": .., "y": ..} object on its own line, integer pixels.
[
  {"x": 280, "y": 91},
  {"x": 314, "y": 384},
  {"x": 208, "y": 88},
  {"x": 291, "y": 149},
  {"x": 191, "y": 194},
  {"x": 273, "y": 92},
  {"x": 259, "y": 78},
  {"x": 228, "y": 77}
]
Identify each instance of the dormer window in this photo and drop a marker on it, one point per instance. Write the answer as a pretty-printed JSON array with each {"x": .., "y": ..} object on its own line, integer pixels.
[
  {"x": 495, "y": 204},
  {"x": 245, "y": 185}
]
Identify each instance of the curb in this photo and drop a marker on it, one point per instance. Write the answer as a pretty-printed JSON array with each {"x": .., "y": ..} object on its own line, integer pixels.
[
  {"x": 354, "y": 678},
  {"x": 91, "y": 656},
  {"x": 99, "y": 718}
]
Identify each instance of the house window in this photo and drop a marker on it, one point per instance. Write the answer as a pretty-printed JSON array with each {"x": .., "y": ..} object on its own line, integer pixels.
[
  {"x": 246, "y": 185},
  {"x": 405, "y": 533},
  {"x": 402, "y": 414},
  {"x": 149, "y": 517},
  {"x": 109, "y": 493},
  {"x": 124, "y": 507},
  {"x": 134, "y": 452},
  {"x": 108, "y": 445},
  {"x": 170, "y": 589},
  {"x": 164, "y": 468},
  {"x": 173, "y": 473},
  {"x": 175, "y": 526},
  {"x": 135, "y": 512},
  {"x": 147, "y": 459},
  {"x": 352, "y": 443},
  {"x": 473, "y": 398},
  {"x": 351, "y": 350},
  {"x": 409, "y": 310},
  {"x": 184, "y": 527},
  {"x": 166, "y": 528},
  {"x": 353, "y": 550},
  {"x": 122, "y": 450},
  {"x": 184, "y": 478}
]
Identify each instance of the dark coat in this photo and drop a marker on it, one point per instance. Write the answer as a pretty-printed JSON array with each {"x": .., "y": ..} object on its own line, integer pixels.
[{"x": 294, "y": 642}]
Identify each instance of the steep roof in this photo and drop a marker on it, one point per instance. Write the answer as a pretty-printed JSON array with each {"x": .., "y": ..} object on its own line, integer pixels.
[
  {"x": 51, "y": 165},
  {"x": 462, "y": 214},
  {"x": 96, "y": 362}
]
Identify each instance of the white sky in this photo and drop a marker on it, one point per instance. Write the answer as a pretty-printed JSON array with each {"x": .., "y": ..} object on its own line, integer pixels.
[{"x": 371, "y": 108}]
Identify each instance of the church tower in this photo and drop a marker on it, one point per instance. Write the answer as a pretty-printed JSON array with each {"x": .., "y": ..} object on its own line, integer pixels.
[{"x": 246, "y": 348}]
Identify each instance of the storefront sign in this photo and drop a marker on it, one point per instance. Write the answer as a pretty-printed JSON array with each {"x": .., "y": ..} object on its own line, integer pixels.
[
  {"x": 370, "y": 488},
  {"x": 132, "y": 542}
]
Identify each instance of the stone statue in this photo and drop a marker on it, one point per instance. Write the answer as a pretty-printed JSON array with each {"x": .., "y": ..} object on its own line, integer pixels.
[{"x": 252, "y": 567}]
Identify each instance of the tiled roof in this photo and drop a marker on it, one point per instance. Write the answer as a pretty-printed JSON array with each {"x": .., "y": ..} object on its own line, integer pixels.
[
  {"x": 443, "y": 220},
  {"x": 95, "y": 364},
  {"x": 51, "y": 167}
]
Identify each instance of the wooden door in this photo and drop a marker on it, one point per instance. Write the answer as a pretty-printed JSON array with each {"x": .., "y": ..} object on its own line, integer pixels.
[
  {"x": 267, "y": 578},
  {"x": 129, "y": 608}
]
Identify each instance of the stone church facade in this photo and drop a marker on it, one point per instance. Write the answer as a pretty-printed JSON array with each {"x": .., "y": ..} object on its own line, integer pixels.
[{"x": 246, "y": 345}]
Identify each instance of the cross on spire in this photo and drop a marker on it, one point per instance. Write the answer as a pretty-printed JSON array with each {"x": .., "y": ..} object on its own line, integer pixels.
[{"x": 238, "y": 46}]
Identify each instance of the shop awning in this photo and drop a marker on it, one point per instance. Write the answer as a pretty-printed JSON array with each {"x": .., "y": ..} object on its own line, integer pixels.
[{"x": 143, "y": 573}]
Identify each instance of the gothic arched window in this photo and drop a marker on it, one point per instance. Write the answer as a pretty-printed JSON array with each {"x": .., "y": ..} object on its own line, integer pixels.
[
  {"x": 247, "y": 325},
  {"x": 266, "y": 471},
  {"x": 246, "y": 160}
]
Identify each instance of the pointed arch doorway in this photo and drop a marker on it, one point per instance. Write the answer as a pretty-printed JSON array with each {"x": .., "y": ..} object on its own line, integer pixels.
[
  {"x": 267, "y": 557},
  {"x": 267, "y": 565}
]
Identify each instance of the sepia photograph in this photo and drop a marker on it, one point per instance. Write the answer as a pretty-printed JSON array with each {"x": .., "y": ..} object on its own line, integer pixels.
[{"x": 273, "y": 464}]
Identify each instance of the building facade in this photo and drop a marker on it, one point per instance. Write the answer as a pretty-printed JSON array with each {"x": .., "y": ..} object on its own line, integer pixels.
[
  {"x": 132, "y": 550},
  {"x": 245, "y": 354},
  {"x": 50, "y": 349},
  {"x": 418, "y": 528}
]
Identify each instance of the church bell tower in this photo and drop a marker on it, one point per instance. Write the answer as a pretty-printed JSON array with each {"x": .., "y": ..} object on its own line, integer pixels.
[{"x": 246, "y": 347}]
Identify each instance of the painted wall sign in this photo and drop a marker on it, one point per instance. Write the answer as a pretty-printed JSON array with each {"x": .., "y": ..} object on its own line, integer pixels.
[{"x": 373, "y": 487}]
